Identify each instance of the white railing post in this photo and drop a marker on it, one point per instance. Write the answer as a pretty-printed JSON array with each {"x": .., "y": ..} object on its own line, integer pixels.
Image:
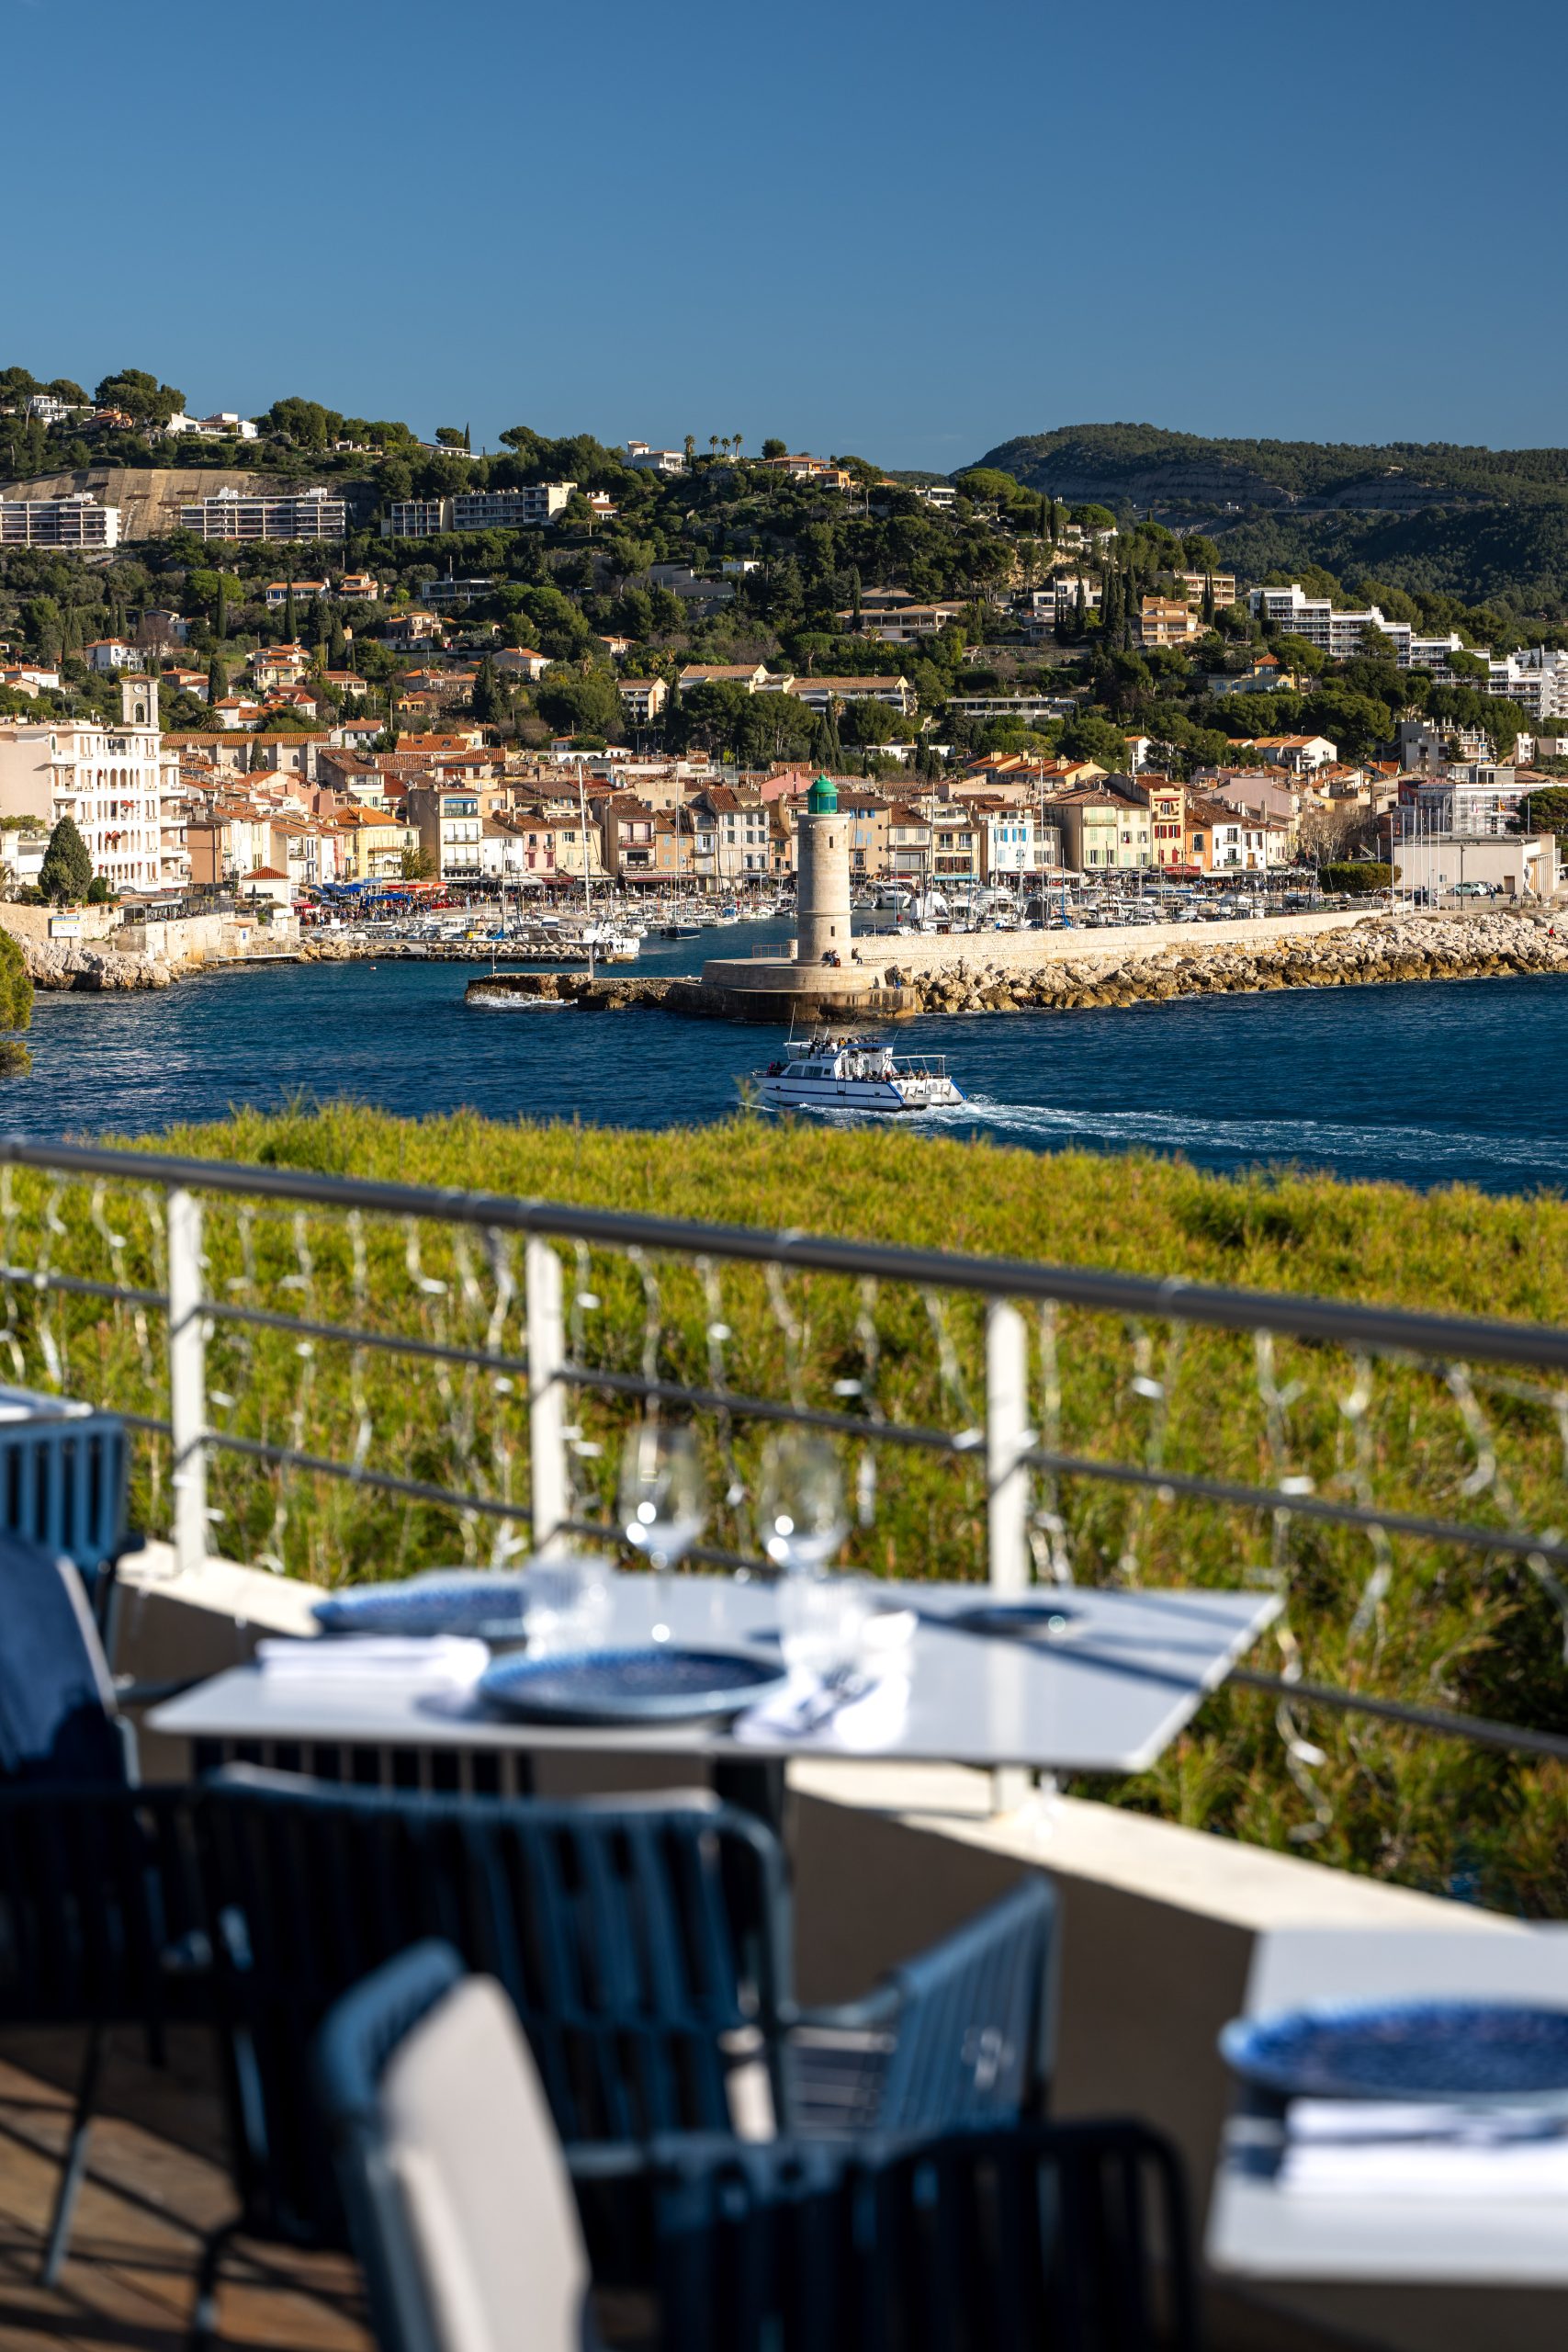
[
  {"x": 188, "y": 1379},
  {"x": 546, "y": 1397},
  {"x": 1008, "y": 1437}
]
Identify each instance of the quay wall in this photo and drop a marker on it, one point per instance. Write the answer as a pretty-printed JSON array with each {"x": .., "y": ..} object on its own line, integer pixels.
[
  {"x": 1036, "y": 972},
  {"x": 109, "y": 956}
]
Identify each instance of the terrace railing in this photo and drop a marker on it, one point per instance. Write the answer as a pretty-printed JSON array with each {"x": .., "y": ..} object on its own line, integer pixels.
[{"x": 342, "y": 1378}]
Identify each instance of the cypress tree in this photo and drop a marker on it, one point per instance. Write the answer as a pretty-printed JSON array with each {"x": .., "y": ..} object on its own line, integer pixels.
[
  {"x": 291, "y": 622},
  {"x": 1207, "y": 606},
  {"x": 221, "y": 616},
  {"x": 1080, "y": 612},
  {"x": 66, "y": 873},
  {"x": 217, "y": 682}
]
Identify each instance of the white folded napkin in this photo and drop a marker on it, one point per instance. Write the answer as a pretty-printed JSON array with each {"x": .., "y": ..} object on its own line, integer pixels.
[
  {"x": 1355, "y": 2148},
  {"x": 799, "y": 1713},
  {"x": 442, "y": 1661}
]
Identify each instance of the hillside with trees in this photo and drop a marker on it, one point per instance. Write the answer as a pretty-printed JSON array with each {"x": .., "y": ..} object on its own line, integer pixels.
[
  {"x": 1487, "y": 525},
  {"x": 734, "y": 561}
]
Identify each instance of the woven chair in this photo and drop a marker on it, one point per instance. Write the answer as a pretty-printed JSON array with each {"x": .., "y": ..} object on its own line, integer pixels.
[
  {"x": 459, "y": 2209},
  {"x": 645, "y": 1947}
]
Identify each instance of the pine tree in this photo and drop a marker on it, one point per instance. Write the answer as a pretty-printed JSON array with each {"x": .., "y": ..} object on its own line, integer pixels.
[{"x": 66, "y": 873}]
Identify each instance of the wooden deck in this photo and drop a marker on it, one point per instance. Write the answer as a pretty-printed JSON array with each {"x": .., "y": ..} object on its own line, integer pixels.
[{"x": 155, "y": 2187}]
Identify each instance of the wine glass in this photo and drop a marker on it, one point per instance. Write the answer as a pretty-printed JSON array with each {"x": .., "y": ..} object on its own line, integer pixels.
[
  {"x": 800, "y": 1502},
  {"x": 663, "y": 1503}
]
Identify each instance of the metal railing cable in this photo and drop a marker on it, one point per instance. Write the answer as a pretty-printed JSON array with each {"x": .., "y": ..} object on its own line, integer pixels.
[
  {"x": 469, "y": 1303},
  {"x": 1380, "y": 1329}
]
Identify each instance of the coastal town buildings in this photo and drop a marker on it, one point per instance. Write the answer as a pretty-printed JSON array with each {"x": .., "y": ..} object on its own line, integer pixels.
[{"x": 111, "y": 779}]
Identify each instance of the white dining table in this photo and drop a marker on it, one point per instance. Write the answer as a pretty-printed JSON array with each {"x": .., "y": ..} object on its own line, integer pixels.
[
  {"x": 1130, "y": 1669},
  {"x": 1261, "y": 2228}
]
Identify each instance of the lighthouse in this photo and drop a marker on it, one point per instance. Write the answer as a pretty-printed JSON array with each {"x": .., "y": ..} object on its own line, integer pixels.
[
  {"x": 823, "y": 879},
  {"x": 819, "y": 982}
]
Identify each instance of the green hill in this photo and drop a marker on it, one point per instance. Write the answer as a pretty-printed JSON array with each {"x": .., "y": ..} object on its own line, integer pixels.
[{"x": 1489, "y": 526}]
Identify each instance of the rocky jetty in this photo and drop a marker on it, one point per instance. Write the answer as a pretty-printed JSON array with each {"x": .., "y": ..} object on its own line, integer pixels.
[{"x": 1378, "y": 949}]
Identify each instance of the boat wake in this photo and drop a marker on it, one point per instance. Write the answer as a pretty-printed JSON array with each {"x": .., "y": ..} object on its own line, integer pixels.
[
  {"x": 506, "y": 1000},
  {"x": 1313, "y": 1142}
]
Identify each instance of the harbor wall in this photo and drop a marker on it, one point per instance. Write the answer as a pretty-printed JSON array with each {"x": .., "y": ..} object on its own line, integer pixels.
[{"x": 994, "y": 973}]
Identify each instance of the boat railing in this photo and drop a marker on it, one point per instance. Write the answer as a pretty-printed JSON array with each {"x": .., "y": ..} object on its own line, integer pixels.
[{"x": 340, "y": 1377}]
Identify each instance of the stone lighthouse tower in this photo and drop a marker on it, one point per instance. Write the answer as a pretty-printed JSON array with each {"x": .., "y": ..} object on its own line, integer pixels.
[{"x": 822, "y": 879}]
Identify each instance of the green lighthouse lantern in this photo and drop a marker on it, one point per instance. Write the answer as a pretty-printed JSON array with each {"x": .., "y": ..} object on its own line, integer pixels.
[{"x": 823, "y": 797}]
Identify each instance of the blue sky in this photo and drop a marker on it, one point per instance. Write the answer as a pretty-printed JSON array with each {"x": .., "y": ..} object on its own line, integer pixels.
[{"x": 903, "y": 230}]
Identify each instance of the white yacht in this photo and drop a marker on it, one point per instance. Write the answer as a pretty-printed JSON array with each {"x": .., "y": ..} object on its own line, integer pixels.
[{"x": 854, "y": 1074}]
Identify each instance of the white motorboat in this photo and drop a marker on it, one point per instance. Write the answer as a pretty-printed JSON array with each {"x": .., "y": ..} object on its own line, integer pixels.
[{"x": 854, "y": 1074}]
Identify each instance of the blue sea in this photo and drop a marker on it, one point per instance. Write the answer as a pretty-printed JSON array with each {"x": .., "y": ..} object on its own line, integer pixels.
[{"x": 1427, "y": 1084}]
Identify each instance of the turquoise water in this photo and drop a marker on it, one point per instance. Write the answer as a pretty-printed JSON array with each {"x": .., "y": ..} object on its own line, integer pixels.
[{"x": 1427, "y": 1084}]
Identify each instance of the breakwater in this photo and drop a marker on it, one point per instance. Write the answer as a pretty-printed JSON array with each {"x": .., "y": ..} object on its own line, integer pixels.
[{"x": 959, "y": 976}]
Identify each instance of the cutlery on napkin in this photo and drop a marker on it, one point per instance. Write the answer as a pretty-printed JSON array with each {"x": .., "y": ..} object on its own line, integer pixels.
[
  {"x": 446, "y": 1661},
  {"x": 849, "y": 1709},
  {"x": 1352, "y": 2147}
]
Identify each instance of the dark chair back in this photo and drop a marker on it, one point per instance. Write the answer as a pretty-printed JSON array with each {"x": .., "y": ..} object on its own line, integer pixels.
[
  {"x": 62, "y": 1479},
  {"x": 100, "y": 1908},
  {"x": 974, "y": 2018},
  {"x": 57, "y": 1719},
  {"x": 645, "y": 1947},
  {"x": 1075, "y": 2237}
]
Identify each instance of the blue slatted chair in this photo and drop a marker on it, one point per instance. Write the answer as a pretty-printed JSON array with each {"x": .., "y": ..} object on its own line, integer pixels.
[
  {"x": 645, "y": 1947},
  {"x": 1075, "y": 2237},
  {"x": 99, "y": 1899}
]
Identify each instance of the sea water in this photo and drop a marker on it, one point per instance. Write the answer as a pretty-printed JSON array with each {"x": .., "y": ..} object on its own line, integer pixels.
[{"x": 1427, "y": 1083}]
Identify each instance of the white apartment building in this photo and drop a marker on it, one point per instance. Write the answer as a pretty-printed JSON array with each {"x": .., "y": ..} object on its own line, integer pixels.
[
  {"x": 1012, "y": 843},
  {"x": 476, "y": 510},
  {"x": 1536, "y": 678},
  {"x": 78, "y": 521},
  {"x": 237, "y": 514},
  {"x": 224, "y": 425},
  {"x": 817, "y": 693},
  {"x": 1341, "y": 635},
  {"x": 1030, "y": 709},
  {"x": 413, "y": 519},
  {"x": 110, "y": 653},
  {"x": 655, "y": 461},
  {"x": 115, "y": 780}
]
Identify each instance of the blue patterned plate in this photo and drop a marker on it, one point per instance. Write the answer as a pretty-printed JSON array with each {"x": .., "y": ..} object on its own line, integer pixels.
[
  {"x": 441, "y": 1601},
  {"x": 656, "y": 1685},
  {"x": 1404, "y": 2049},
  {"x": 1023, "y": 1621}
]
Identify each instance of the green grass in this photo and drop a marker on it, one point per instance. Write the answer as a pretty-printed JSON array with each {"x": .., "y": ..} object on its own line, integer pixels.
[{"x": 1452, "y": 1628}]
